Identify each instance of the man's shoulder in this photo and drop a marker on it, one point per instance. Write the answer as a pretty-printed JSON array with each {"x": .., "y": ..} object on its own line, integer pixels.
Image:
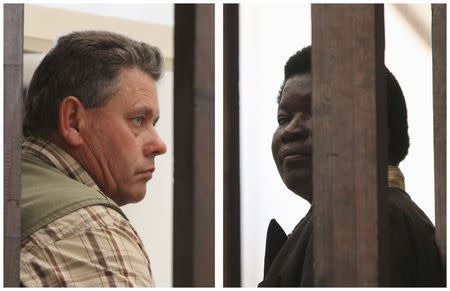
[
  {"x": 48, "y": 194},
  {"x": 414, "y": 256},
  {"x": 401, "y": 206},
  {"x": 39, "y": 176}
]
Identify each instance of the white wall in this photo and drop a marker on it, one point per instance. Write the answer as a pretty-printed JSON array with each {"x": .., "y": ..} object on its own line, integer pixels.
[{"x": 269, "y": 35}]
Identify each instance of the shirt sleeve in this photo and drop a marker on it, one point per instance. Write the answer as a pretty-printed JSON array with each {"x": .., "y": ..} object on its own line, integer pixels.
[{"x": 92, "y": 247}]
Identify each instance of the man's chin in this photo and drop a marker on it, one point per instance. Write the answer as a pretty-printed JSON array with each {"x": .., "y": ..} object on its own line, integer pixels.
[
  {"x": 131, "y": 197},
  {"x": 138, "y": 197},
  {"x": 300, "y": 185}
]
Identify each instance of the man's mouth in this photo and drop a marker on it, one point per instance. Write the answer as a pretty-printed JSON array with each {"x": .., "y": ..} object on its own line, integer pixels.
[
  {"x": 146, "y": 174},
  {"x": 295, "y": 153},
  {"x": 296, "y": 157}
]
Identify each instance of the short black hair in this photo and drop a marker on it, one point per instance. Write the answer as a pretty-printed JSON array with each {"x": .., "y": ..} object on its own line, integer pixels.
[{"x": 300, "y": 63}]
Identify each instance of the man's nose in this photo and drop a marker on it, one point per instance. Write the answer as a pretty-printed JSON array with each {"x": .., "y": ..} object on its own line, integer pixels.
[
  {"x": 299, "y": 128},
  {"x": 154, "y": 145}
]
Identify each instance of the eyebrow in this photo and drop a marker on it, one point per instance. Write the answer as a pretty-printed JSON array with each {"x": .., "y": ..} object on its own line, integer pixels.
[{"x": 143, "y": 109}]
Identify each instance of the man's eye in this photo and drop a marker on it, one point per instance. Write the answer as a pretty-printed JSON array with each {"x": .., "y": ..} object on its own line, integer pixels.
[
  {"x": 282, "y": 120},
  {"x": 138, "y": 120}
]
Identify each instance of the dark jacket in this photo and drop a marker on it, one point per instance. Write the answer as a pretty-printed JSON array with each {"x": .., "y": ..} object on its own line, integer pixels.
[{"x": 414, "y": 258}]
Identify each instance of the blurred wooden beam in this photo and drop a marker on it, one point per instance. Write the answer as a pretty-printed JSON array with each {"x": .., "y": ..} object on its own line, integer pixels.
[
  {"x": 193, "y": 237},
  {"x": 349, "y": 143},
  {"x": 231, "y": 185},
  {"x": 439, "y": 39},
  {"x": 12, "y": 81}
]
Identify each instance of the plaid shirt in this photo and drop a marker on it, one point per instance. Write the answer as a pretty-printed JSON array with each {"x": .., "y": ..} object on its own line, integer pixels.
[{"x": 94, "y": 246}]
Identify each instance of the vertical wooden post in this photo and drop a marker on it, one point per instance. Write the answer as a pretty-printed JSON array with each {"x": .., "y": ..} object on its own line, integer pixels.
[
  {"x": 231, "y": 190},
  {"x": 12, "y": 80},
  {"x": 349, "y": 143},
  {"x": 439, "y": 31},
  {"x": 193, "y": 238}
]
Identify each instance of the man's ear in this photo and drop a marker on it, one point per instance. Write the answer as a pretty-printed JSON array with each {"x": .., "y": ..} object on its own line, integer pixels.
[{"x": 70, "y": 118}]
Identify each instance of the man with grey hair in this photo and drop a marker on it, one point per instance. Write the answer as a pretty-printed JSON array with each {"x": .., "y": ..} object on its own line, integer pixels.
[{"x": 90, "y": 147}]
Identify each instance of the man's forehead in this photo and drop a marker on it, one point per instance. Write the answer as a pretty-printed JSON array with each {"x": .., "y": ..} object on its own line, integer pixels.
[
  {"x": 303, "y": 80},
  {"x": 134, "y": 81},
  {"x": 135, "y": 95},
  {"x": 297, "y": 86}
]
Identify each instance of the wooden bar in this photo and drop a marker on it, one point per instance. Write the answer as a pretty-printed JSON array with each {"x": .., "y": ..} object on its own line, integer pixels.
[
  {"x": 349, "y": 144},
  {"x": 12, "y": 68},
  {"x": 231, "y": 180},
  {"x": 439, "y": 24},
  {"x": 193, "y": 237}
]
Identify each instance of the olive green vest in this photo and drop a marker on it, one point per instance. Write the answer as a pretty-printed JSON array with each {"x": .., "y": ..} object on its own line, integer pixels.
[{"x": 48, "y": 194}]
